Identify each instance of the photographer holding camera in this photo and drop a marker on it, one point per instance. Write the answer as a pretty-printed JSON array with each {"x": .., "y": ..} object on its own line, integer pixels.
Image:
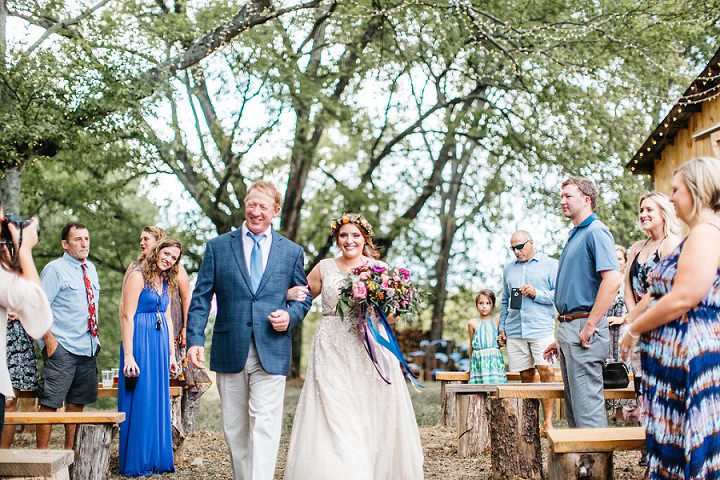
[{"x": 20, "y": 290}]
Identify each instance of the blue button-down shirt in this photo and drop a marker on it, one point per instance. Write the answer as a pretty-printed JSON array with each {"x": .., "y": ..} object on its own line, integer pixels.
[
  {"x": 63, "y": 282},
  {"x": 590, "y": 249},
  {"x": 535, "y": 318}
]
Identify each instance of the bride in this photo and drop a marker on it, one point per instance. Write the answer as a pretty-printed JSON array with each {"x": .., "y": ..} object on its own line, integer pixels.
[{"x": 349, "y": 423}]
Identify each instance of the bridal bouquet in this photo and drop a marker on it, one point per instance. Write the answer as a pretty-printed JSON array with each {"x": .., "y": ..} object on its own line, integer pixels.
[
  {"x": 368, "y": 296},
  {"x": 378, "y": 286}
]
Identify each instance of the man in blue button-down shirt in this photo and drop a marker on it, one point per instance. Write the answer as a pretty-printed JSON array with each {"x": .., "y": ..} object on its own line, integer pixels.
[
  {"x": 70, "y": 348},
  {"x": 527, "y": 324}
]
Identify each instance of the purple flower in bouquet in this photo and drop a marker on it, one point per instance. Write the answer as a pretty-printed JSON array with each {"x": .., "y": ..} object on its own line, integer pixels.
[
  {"x": 404, "y": 272},
  {"x": 377, "y": 268},
  {"x": 359, "y": 291}
]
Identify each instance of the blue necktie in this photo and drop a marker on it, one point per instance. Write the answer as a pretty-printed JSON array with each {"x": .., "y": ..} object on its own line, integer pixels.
[{"x": 256, "y": 263}]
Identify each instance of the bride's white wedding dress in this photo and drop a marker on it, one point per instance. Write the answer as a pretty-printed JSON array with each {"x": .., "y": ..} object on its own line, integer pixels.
[{"x": 349, "y": 423}]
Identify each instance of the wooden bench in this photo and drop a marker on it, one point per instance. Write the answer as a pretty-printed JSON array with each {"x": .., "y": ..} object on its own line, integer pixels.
[
  {"x": 92, "y": 437},
  {"x": 515, "y": 432},
  {"x": 587, "y": 452},
  {"x": 38, "y": 464},
  {"x": 448, "y": 410},
  {"x": 176, "y": 397}
]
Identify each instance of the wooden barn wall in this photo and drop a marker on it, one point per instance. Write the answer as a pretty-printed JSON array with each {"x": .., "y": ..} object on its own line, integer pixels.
[{"x": 685, "y": 148}]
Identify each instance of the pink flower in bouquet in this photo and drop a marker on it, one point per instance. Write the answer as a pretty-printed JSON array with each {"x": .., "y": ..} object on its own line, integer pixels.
[
  {"x": 364, "y": 275},
  {"x": 359, "y": 291},
  {"x": 404, "y": 272}
]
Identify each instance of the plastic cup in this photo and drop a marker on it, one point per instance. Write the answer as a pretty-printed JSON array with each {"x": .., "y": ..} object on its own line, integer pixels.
[
  {"x": 115, "y": 375},
  {"x": 107, "y": 378}
]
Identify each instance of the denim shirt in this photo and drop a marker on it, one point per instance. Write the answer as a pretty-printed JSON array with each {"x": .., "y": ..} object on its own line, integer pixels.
[
  {"x": 62, "y": 280},
  {"x": 536, "y": 317}
]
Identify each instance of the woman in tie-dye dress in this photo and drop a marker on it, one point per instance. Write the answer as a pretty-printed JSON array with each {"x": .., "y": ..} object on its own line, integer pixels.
[{"x": 679, "y": 322}]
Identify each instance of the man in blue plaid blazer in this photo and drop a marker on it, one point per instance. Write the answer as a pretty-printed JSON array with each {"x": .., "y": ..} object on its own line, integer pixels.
[{"x": 250, "y": 270}]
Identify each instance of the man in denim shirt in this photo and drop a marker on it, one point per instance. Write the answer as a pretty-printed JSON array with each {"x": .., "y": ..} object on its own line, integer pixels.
[
  {"x": 71, "y": 346},
  {"x": 527, "y": 322}
]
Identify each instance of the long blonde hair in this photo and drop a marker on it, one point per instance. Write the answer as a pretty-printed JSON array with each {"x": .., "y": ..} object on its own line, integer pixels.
[
  {"x": 667, "y": 212},
  {"x": 149, "y": 267},
  {"x": 702, "y": 178}
]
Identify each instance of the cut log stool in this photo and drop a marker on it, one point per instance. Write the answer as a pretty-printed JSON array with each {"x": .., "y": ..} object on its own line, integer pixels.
[
  {"x": 447, "y": 400},
  {"x": 92, "y": 437},
  {"x": 587, "y": 453},
  {"x": 473, "y": 419},
  {"x": 515, "y": 432},
  {"x": 36, "y": 464}
]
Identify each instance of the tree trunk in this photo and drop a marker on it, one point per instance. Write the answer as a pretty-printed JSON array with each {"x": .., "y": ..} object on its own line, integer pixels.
[
  {"x": 586, "y": 466},
  {"x": 441, "y": 271},
  {"x": 92, "y": 452},
  {"x": 473, "y": 423},
  {"x": 10, "y": 190},
  {"x": 515, "y": 439}
]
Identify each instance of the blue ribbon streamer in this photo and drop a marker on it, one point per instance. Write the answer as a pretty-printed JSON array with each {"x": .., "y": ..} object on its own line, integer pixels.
[{"x": 391, "y": 343}]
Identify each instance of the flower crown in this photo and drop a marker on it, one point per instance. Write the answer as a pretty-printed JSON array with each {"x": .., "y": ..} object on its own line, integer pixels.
[{"x": 355, "y": 218}]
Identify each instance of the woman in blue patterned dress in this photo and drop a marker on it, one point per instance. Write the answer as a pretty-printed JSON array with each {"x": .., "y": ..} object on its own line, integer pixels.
[
  {"x": 679, "y": 322},
  {"x": 486, "y": 360},
  {"x": 147, "y": 358}
]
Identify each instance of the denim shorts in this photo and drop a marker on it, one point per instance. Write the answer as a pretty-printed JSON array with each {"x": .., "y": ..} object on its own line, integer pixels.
[{"x": 67, "y": 377}]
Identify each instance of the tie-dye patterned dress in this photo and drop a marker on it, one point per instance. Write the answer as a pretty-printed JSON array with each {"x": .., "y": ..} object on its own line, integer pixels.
[{"x": 681, "y": 385}]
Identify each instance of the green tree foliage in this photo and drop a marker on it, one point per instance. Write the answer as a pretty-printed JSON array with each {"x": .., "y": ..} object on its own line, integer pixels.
[{"x": 371, "y": 105}]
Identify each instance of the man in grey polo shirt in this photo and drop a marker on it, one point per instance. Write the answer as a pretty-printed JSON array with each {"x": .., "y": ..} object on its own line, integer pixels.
[
  {"x": 71, "y": 346},
  {"x": 527, "y": 313},
  {"x": 587, "y": 282}
]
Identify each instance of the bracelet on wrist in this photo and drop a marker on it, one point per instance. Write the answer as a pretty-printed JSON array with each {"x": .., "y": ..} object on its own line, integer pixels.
[{"x": 631, "y": 334}]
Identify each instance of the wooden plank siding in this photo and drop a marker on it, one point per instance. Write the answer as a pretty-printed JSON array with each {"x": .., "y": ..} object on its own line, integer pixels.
[{"x": 685, "y": 147}]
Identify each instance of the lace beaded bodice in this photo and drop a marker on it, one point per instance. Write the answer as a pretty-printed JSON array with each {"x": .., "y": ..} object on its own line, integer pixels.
[{"x": 332, "y": 277}]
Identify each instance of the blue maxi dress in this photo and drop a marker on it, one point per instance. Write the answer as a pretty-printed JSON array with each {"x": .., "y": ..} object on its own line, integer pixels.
[{"x": 146, "y": 433}]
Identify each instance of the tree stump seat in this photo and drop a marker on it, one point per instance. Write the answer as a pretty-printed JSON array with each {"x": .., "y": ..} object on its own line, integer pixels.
[
  {"x": 515, "y": 430},
  {"x": 587, "y": 453},
  {"x": 472, "y": 418},
  {"x": 447, "y": 400},
  {"x": 35, "y": 464},
  {"x": 92, "y": 437}
]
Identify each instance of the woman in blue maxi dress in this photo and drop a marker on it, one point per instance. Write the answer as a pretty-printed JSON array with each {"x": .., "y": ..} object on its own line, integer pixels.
[{"x": 146, "y": 433}]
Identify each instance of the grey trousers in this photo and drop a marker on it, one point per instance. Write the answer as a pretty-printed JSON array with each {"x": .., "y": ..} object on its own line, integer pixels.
[{"x": 582, "y": 373}]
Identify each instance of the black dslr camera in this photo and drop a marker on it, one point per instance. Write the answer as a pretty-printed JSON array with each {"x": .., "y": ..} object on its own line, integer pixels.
[{"x": 5, "y": 237}]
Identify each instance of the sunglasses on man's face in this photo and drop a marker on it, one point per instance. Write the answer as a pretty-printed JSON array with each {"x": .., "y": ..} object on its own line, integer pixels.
[{"x": 519, "y": 246}]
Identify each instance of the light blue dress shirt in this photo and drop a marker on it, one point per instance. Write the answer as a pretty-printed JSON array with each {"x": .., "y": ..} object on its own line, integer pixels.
[
  {"x": 590, "y": 249},
  {"x": 536, "y": 317},
  {"x": 62, "y": 280}
]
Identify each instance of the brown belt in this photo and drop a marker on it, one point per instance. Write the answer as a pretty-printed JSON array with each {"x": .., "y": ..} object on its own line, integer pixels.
[{"x": 572, "y": 316}]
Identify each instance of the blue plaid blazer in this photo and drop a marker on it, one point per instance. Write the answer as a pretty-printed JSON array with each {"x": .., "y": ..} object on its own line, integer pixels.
[{"x": 242, "y": 314}]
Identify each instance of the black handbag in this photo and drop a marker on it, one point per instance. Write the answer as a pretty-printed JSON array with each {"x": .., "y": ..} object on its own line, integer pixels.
[{"x": 615, "y": 375}]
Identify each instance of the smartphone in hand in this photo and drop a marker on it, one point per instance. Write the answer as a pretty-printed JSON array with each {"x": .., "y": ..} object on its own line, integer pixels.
[{"x": 515, "y": 298}]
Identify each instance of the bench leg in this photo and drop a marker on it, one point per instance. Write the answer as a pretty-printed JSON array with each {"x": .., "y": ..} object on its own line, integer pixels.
[
  {"x": 586, "y": 466},
  {"x": 515, "y": 439},
  {"x": 178, "y": 431},
  {"x": 447, "y": 404},
  {"x": 92, "y": 452},
  {"x": 473, "y": 424}
]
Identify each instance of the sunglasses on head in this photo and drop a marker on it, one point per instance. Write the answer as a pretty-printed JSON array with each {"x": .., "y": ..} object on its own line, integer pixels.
[{"x": 519, "y": 246}]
